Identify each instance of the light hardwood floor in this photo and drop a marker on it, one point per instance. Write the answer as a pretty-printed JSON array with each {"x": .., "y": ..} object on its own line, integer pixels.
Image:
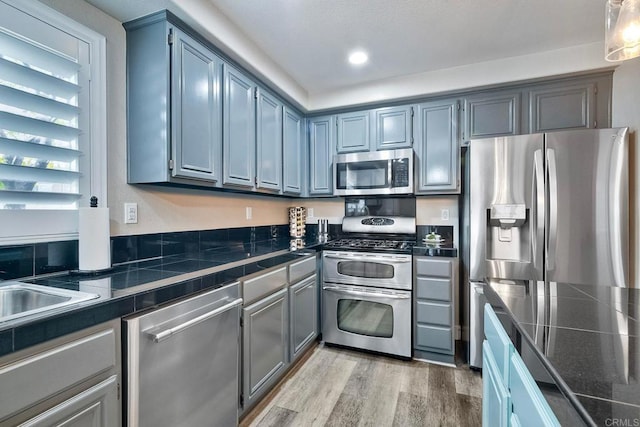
[{"x": 338, "y": 387}]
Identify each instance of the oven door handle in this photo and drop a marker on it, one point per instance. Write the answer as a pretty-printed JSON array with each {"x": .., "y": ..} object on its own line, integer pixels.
[
  {"x": 366, "y": 259},
  {"x": 340, "y": 290}
]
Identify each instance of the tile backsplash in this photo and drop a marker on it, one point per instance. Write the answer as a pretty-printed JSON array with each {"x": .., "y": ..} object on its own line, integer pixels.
[{"x": 43, "y": 258}]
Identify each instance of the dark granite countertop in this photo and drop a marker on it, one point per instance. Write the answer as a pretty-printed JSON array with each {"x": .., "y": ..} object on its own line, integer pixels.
[
  {"x": 585, "y": 337},
  {"x": 137, "y": 286}
]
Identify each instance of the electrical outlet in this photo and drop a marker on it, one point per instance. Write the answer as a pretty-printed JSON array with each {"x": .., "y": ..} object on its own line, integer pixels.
[
  {"x": 310, "y": 211},
  {"x": 444, "y": 214},
  {"x": 130, "y": 213},
  {"x": 249, "y": 212}
]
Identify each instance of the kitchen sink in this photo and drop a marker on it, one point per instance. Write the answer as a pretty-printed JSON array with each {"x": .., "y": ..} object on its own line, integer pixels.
[{"x": 19, "y": 299}]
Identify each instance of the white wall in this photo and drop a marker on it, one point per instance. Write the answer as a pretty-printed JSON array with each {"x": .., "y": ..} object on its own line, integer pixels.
[{"x": 626, "y": 112}]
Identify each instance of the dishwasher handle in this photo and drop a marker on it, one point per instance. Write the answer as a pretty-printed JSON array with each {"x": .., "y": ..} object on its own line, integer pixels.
[{"x": 163, "y": 335}]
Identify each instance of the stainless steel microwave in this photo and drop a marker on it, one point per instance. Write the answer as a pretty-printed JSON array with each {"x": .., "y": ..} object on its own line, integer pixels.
[{"x": 371, "y": 173}]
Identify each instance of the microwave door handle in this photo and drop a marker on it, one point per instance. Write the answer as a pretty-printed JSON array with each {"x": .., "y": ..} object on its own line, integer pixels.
[
  {"x": 389, "y": 173},
  {"x": 362, "y": 293}
]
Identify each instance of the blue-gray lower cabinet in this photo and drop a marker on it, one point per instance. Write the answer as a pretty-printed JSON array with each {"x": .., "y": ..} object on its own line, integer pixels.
[
  {"x": 437, "y": 167},
  {"x": 496, "y": 401},
  {"x": 293, "y": 152},
  {"x": 303, "y": 300},
  {"x": 354, "y": 131},
  {"x": 434, "y": 311},
  {"x": 393, "y": 127},
  {"x": 239, "y": 123},
  {"x": 322, "y": 137},
  {"x": 510, "y": 395},
  {"x": 268, "y": 141},
  {"x": 265, "y": 345}
]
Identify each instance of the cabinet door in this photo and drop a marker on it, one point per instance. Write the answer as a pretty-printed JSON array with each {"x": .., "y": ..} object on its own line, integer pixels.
[
  {"x": 269, "y": 141},
  {"x": 196, "y": 109},
  {"x": 394, "y": 127},
  {"x": 529, "y": 405},
  {"x": 437, "y": 164},
  {"x": 353, "y": 131},
  {"x": 495, "y": 395},
  {"x": 96, "y": 407},
  {"x": 492, "y": 114},
  {"x": 265, "y": 345},
  {"x": 303, "y": 297},
  {"x": 562, "y": 106},
  {"x": 292, "y": 152},
  {"x": 239, "y": 138},
  {"x": 322, "y": 134}
]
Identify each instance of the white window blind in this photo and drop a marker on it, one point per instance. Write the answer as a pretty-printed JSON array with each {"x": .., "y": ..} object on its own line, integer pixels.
[
  {"x": 40, "y": 118},
  {"x": 52, "y": 121}
]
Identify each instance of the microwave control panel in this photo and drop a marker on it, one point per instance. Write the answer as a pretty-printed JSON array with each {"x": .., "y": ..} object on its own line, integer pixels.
[{"x": 400, "y": 175}]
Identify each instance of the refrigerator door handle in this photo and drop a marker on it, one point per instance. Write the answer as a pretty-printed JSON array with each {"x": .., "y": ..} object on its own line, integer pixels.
[
  {"x": 537, "y": 216},
  {"x": 553, "y": 209}
]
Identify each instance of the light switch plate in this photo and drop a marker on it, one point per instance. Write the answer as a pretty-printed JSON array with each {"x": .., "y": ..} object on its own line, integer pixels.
[
  {"x": 249, "y": 212},
  {"x": 130, "y": 213}
]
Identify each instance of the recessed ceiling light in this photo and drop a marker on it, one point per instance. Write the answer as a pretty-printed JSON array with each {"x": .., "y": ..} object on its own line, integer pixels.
[{"x": 358, "y": 57}]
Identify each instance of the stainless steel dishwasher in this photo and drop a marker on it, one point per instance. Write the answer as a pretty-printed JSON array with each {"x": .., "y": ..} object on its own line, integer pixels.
[{"x": 182, "y": 367}]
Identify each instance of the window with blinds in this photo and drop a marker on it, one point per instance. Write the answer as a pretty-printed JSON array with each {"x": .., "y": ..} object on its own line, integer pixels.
[{"x": 44, "y": 110}]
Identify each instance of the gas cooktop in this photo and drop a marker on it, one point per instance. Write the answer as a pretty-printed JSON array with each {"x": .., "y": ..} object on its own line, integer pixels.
[{"x": 361, "y": 244}]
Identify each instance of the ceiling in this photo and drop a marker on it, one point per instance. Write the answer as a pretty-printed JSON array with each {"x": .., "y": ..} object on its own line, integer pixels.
[{"x": 310, "y": 39}]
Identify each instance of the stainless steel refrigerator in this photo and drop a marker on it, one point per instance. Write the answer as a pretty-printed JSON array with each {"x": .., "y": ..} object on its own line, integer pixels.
[{"x": 550, "y": 207}]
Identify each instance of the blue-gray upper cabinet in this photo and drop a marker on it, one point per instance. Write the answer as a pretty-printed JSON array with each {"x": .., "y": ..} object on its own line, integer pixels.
[
  {"x": 322, "y": 136},
  {"x": 437, "y": 150},
  {"x": 239, "y": 124},
  {"x": 195, "y": 109},
  {"x": 354, "y": 131},
  {"x": 562, "y": 106},
  {"x": 293, "y": 152},
  {"x": 491, "y": 114},
  {"x": 394, "y": 127},
  {"x": 268, "y": 141},
  {"x": 174, "y": 108}
]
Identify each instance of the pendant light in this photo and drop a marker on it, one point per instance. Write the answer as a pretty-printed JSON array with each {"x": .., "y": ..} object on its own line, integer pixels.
[{"x": 622, "y": 38}]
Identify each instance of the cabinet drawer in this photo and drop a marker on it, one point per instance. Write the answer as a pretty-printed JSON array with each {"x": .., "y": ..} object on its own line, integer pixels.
[
  {"x": 435, "y": 338},
  {"x": 433, "y": 312},
  {"x": 301, "y": 269},
  {"x": 498, "y": 340},
  {"x": 438, "y": 289},
  {"x": 433, "y": 267},
  {"x": 21, "y": 382},
  {"x": 526, "y": 397},
  {"x": 263, "y": 285}
]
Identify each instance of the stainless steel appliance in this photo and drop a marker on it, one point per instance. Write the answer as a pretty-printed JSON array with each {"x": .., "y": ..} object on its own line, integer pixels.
[
  {"x": 367, "y": 278},
  {"x": 551, "y": 207},
  {"x": 182, "y": 362},
  {"x": 373, "y": 173}
]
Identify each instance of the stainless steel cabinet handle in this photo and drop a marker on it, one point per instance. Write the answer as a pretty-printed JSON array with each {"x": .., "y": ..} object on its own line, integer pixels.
[
  {"x": 553, "y": 209},
  {"x": 163, "y": 335},
  {"x": 364, "y": 293},
  {"x": 538, "y": 212},
  {"x": 372, "y": 259}
]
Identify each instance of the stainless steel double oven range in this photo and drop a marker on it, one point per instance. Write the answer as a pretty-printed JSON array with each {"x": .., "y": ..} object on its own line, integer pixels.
[{"x": 367, "y": 277}]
